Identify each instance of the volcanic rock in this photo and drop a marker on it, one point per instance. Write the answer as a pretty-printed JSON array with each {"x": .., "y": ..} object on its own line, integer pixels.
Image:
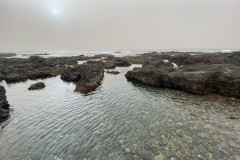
[
  {"x": 36, "y": 86},
  {"x": 4, "y": 106}
]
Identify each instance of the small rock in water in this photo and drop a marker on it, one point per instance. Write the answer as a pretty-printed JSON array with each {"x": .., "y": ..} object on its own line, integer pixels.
[
  {"x": 182, "y": 98},
  {"x": 36, "y": 86},
  {"x": 121, "y": 141},
  {"x": 208, "y": 126},
  {"x": 134, "y": 148},
  {"x": 159, "y": 157},
  {"x": 234, "y": 144},
  {"x": 187, "y": 139},
  {"x": 178, "y": 154},
  {"x": 163, "y": 140},
  {"x": 209, "y": 155},
  {"x": 235, "y": 158},
  {"x": 171, "y": 146},
  {"x": 113, "y": 72},
  {"x": 174, "y": 97},
  {"x": 202, "y": 135},
  {"x": 234, "y": 117},
  {"x": 127, "y": 150}
]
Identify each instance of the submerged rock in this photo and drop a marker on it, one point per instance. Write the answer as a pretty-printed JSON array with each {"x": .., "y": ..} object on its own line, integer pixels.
[
  {"x": 234, "y": 144},
  {"x": 38, "y": 85},
  {"x": 4, "y": 106},
  {"x": 127, "y": 150},
  {"x": 187, "y": 139},
  {"x": 159, "y": 157}
]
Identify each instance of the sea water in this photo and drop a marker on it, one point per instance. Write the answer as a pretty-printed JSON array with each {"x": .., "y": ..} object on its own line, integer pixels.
[{"x": 120, "y": 120}]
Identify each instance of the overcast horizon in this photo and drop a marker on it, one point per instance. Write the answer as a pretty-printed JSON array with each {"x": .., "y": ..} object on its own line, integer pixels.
[{"x": 119, "y": 25}]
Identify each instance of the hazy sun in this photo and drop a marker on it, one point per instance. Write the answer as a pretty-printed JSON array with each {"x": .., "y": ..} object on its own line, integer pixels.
[{"x": 54, "y": 11}]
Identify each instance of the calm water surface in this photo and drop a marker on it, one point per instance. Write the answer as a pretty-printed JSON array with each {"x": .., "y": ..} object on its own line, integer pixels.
[{"x": 120, "y": 120}]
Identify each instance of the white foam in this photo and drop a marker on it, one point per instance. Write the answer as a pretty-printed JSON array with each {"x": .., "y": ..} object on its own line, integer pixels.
[
  {"x": 81, "y": 62},
  {"x": 175, "y": 65},
  {"x": 165, "y": 61},
  {"x": 95, "y": 59},
  {"x": 226, "y": 51}
]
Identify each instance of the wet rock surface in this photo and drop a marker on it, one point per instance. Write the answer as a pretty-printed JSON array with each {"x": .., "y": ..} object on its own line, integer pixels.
[
  {"x": 113, "y": 72},
  {"x": 197, "y": 73},
  {"x": 4, "y": 106},
  {"x": 201, "y": 74},
  {"x": 36, "y": 86},
  {"x": 86, "y": 76},
  {"x": 112, "y": 62},
  {"x": 35, "y": 67}
]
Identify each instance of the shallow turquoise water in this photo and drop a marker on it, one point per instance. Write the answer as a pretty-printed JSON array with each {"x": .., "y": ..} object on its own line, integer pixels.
[{"x": 120, "y": 120}]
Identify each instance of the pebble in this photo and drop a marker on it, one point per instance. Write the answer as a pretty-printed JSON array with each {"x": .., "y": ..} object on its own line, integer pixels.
[
  {"x": 127, "y": 150},
  {"x": 159, "y": 157},
  {"x": 121, "y": 141},
  {"x": 209, "y": 155},
  {"x": 187, "y": 138},
  {"x": 236, "y": 158},
  {"x": 234, "y": 144},
  {"x": 163, "y": 140},
  {"x": 134, "y": 148}
]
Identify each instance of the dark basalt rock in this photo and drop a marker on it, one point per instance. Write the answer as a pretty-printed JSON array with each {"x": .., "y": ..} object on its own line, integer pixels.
[
  {"x": 36, "y": 86},
  {"x": 16, "y": 69},
  {"x": 113, "y": 72},
  {"x": 202, "y": 74},
  {"x": 4, "y": 106},
  {"x": 86, "y": 76},
  {"x": 122, "y": 63},
  {"x": 36, "y": 59},
  {"x": 7, "y": 54},
  {"x": 112, "y": 62}
]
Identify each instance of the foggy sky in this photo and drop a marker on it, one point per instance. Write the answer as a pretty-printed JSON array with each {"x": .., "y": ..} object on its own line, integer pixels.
[{"x": 118, "y": 24}]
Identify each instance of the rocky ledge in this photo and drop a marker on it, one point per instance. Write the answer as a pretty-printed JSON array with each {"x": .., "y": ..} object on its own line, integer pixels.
[
  {"x": 201, "y": 74},
  {"x": 86, "y": 76},
  {"x": 36, "y": 86},
  {"x": 4, "y": 106}
]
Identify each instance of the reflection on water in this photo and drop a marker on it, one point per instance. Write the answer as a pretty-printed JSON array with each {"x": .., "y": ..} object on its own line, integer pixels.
[{"x": 120, "y": 120}]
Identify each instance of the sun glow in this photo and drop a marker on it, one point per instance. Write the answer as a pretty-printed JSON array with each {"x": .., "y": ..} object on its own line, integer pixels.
[{"x": 54, "y": 11}]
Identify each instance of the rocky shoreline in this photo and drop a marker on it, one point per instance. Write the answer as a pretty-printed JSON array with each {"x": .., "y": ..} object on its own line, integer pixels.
[
  {"x": 87, "y": 76},
  {"x": 198, "y": 73}
]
